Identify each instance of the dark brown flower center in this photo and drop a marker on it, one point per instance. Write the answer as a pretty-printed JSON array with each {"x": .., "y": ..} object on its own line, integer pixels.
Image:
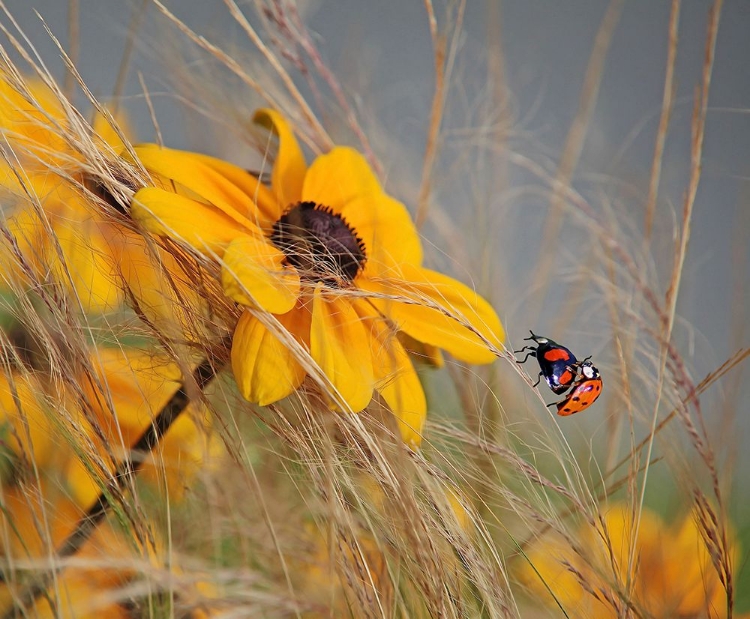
[{"x": 320, "y": 244}]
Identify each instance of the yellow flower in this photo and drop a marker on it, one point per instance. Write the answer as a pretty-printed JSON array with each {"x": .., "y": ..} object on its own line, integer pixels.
[
  {"x": 67, "y": 240},
  {"x": 342, "y": 574},
  {"x": 332, "y": 256},
  {"x": 28, "y": 120},
  {"x": 53, "y": 435},
  {"x": 138, "y": 386},
  {"x": 33, "y": 521},
  {"x": 672, "y": 574},
  {"x": 26, "y": 432},
  {"x": 85, "y": 251}
]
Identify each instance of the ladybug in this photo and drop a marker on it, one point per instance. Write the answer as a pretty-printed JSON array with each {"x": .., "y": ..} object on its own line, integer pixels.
[
  {"x": 587, "y": 387},
  {"x": 557, "y": 364}
]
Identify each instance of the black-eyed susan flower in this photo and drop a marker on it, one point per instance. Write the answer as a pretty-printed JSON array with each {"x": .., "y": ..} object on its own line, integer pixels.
[
  {"x": 127, "y": 391},
  {"x": 34, "y": 519},
  {"x": 51, "y": 215},
  {"x": 671, "y": 575},
  {"x": 111, "y": 576},
  {"x": 335, "y": 259},
  {"x": 78, "y": 436}
]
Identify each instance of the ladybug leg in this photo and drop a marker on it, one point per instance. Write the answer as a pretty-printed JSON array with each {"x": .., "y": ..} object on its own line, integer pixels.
[
  {"x": 528, "y": 354},
  {"x": 539, "y": 380},
  {"x": 554, "y": 403}
]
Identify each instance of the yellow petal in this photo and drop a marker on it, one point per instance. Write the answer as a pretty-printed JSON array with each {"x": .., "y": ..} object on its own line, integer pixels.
[
  {"x": 340, "y": 345},
  {"x": 268, "y": 208},
  {"x": 264, "y": 367},
  {"x": 253, "y": 274},
  {"x": 438, "y": 310},
  {"x": 549, "y": 579},
  {"x": 106, "y": 132},
  {"x": 395, "y": 377},
  {"x": 87, "y": 249},
  {"x": 289, "y": 168},
  {"x": 81, "y": 251},
  {"x": 689, "y": 574},
  {"x": 387, "y": 232},
  {"x": 29, "y": 120},
  {"x": 26, "y": 428},
  {"x": 138, "y": 385},
  {"x": 159, "y": 285},
  {"x": 85, "y": 246},
  {"x": 423, "y": 353},
  {"x": 338, "y": 177},
  {"x": 200, "y": 226},
  {"x": 190, "y": 171}
]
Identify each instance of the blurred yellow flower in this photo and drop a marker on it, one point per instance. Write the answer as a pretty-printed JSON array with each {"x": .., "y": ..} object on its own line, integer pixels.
[
  {"x": 66, "y": 237},
  {"x": 29, "y": 113},
  {"x": 138, "y": 385},
  {"x": 341, "y": 574},
  {"x": 332, "y": 256},
  {"x": 102, "y": 578},
  {"x": 26, "y": 431},
  {"x": 78, "y": 441},
  {"x": 672, "y": 575},
  {"x": 34, "y": 520}
]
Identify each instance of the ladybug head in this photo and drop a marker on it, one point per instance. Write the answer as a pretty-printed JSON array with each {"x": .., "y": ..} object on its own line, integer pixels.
[
  {"x": 537, "y": 338},
  {"x": 589, "y": 370}
]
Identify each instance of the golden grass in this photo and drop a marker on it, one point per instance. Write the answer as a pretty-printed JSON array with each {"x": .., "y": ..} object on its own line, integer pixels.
[{"x": 309, "y": 513}]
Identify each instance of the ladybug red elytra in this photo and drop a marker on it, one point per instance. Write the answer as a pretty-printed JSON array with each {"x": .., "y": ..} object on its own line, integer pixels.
[
  {"x": 558, "y": 364},
  {"x": 586, "y": 389}
]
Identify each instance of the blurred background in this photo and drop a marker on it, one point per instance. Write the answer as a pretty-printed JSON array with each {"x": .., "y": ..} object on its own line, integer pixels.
[{"x": 523, "y": 75}]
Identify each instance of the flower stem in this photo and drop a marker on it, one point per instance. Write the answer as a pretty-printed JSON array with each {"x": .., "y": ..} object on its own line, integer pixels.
[{"x": 152, "y": 435}]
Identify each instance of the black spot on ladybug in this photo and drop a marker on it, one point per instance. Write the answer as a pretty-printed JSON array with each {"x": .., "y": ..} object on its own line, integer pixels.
[{"x": 576, "y": 398}]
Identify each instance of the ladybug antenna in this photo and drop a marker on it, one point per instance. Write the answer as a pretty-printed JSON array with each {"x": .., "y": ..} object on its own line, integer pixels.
[
  {"x": 533, "y": 337},
  {"x": 586, "y": 359}
]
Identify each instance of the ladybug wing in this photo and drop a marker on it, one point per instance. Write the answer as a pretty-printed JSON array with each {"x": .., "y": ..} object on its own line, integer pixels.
[
  {"x": 555, "y": 362},
  {"x": 561, "y": 379},
  {"x": 552, "y": 354},
  {"x": 582, "y": 396}
]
